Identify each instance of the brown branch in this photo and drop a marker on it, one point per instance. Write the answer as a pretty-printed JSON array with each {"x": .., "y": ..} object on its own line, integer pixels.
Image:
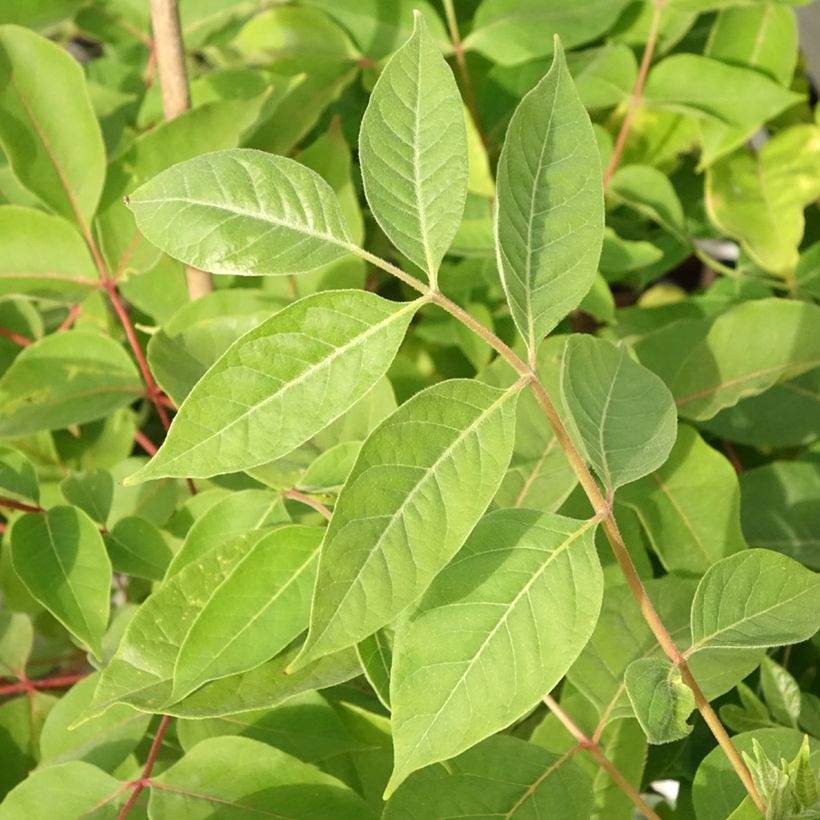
[
  {"x": 145, "y": 779},
  {"x": 176, "y": 96},
  {"x": 637, "y": 92},
  {"x": 18, "y": 505},
  {"x": 594, "y": 750},
  {"x": 602, "y": 507}
]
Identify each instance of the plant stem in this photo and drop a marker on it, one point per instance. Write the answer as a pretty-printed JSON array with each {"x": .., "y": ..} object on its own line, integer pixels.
[
  {"x": 139, "y": 785},
  {"x": 169, "y": 53},
  {"x": 18, "y": 505},
  {"x": 320, "y": 508},
  {"x": 26, "y": 685},
  {"x": 15, "y": 337},
  {"x": 602, "y": 508},
  {"x": 461, "y": 62},
  {"x": 595, "y": 751},
  {"x": 637, "y": 91},
  {"x": 145, "y": 443}
]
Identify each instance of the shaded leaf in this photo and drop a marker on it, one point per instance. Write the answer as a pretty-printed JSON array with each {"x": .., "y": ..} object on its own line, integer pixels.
[
  {"x": 18, "y": 478},
  {"x": 60, "y": 557},
  {"x": 137, "y": 547},
  {"x": 92, "y": 492},
  {"x": 623, "y": 415},
  {"x": 63, "y": 379}
]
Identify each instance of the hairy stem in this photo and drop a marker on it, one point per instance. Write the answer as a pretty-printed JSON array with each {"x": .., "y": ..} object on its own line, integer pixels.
[
  {"x": 461, "y": 62},
  {"x": 139, "y": 785},
  {"x": 637, "y": 92},
  {"x": 169, "y": 54},
  {"x": 602, "y": 508},
  {"x": 594, "y": 750}
]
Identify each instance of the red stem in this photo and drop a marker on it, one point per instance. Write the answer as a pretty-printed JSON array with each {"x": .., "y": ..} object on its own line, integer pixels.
[
  {"x": 26, "y": 685},
  {"x": 15, "y": 337},
  {"x": 18, "y": 505},
  {"x": 73, "y": 314},
  {"x": 637, "y": 92},
  {"x": 145, "y": 443},
  {"x": 139, "y": 785}
]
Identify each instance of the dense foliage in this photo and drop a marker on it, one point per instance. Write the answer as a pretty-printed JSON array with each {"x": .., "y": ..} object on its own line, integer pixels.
[{"x": 483, "y": 477}]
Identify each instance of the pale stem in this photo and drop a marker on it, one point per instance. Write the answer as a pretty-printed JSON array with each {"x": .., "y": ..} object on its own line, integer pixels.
[
  {"x": 308, "y": 501},
  {"x": 637, "y": 91},
  {"x": 461, "y": 62},
  {"x": 601, "y": 506},
  {"x": 169, "y": 54},
  {"x": 590, "y": 746}
]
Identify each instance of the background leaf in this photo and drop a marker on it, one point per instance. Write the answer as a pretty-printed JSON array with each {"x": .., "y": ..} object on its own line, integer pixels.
[
  {"x": 60, "y": 557},
  {"x": 622, "y": 414},
  {"x": 49, "y": 132}
]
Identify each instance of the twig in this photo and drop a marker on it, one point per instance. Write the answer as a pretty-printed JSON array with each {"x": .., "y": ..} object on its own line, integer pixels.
[
  {"x": 15, "y": 337},
  {"x": 320, "y": 508},
  {"x": 176, "y": 96},
  {"x": 461, "y": 62},
  {"x": 139, "y": 785},
  {"x": 18, "y": 505},
  {"x": 600, "y": 505},
  {"x": 637, "y": 92},
  {"x": 27, "y": 685},
  {"x": 72, "y": 317},
  {"x": 145, "y": 443},
  {"x": 590, "y": 746}
]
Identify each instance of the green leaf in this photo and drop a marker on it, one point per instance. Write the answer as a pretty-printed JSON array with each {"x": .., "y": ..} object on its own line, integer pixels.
[
  {"x": 307, "y": 727},
  {"x": 622, "y": 415},
  {"x": 502, "y": 777},
  {"x": 413, "y": 152},
  {"x": 778, "y": 509},
  {"x": 717, "y": 791},
  {"x": 295, "y": 373},
  {"x": 18, "y": 478},
  {"x": 92, "y": 492},
  {"x": 234, "y": 777},
  {"x": 60, "y": 556},
  {"x": 421, "y": 482},
  {"x": 756, "y": 598},
  {"x": 604, "y": 76},
  {"x": 689, "y": 507},
  {"x": 16, "y": 641},
  {"x": 703, "y": 87},
  {"x": 549, "y": 217},
  {"x": 63, "y": 379},
  {"x": 376, "y": 656},
  {"x": 48, "y": 130},
  {"x": 104, "y": 741},
  {"x": 254, "y": 613},
  {"x": 712, "y": 364},
  {"x": 43, "y": 256},
  {"x": 200, "y": 332},
  {"x": 784, "y": 416},
  {"x": 650, "y": 193},
  {"x": 758, "y": 198},
  {"x": 267, "y": 685},
  {"x": 69, "y": 790},
  {"x": 514, "y": 31},
  {"x": 226, "y": 612},
  {"x": 243, "y": 212},
  {"x": 136, "y": 547},
  {"x": 21, "y": 720},
  {"x": 378, "y": 29},
  {"x": 238, "y": 513},
  {"x": 661, "y": 700},
  {"x": 781, "y": 691},
  {"x": 498, "y": 628}
]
